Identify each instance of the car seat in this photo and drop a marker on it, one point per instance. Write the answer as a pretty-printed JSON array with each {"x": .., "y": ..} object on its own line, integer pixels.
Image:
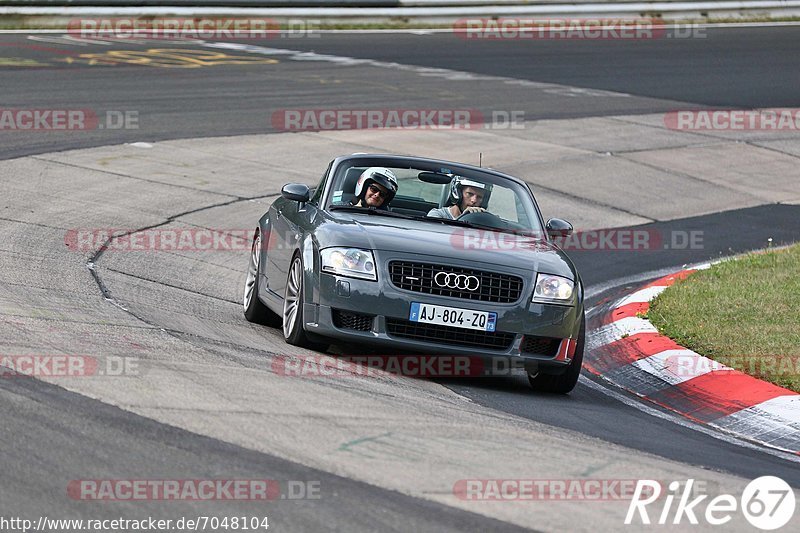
[{"x": 348, "y": 186}]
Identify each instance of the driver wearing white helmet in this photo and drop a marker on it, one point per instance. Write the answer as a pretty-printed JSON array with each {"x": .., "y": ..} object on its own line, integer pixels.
[
  {"x": 375, "y": 188},
  {"x": 466, "y": 196}
]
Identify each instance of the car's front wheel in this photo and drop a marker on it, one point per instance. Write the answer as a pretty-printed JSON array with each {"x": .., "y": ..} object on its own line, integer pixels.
[
  {"x": 254, "y": 310},
  {"x": 293, "y": 330},
  {"x": 566, "y": 381}
]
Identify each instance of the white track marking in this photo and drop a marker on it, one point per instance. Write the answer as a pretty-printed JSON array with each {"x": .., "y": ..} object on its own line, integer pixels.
[{"x": 676, "y": 419}]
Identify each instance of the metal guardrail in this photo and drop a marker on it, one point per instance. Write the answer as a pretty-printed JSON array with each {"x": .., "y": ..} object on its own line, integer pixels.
[
  {"x": 204, "y": 3},
  {"x": 325, "y": 3},
  {"x": 442, "y": 3},
  {"x": 438, "y": 11}
]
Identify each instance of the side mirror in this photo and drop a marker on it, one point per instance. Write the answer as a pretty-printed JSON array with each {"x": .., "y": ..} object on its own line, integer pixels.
[
  {"x": 296, "y": 192},
  {"x": 557, "y": 227}
]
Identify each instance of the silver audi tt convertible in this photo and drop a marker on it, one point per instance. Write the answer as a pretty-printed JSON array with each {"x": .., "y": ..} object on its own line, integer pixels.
[{"x": 423, "y": 256}]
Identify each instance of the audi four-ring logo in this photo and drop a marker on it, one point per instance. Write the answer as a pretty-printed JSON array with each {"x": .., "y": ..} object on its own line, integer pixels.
[{"x": 456, "y": 281}]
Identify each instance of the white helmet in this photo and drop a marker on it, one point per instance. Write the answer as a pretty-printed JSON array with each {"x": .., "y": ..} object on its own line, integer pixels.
[
  {"x": 454, "y": 197},
  {"x": 380, "y": 175}
]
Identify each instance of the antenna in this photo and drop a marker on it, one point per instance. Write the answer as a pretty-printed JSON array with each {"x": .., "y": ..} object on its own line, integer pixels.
[{"x": 480, "y": 159}]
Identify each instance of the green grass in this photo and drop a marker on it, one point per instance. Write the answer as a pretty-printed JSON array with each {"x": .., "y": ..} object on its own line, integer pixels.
[{"x": 744, "y": 313}]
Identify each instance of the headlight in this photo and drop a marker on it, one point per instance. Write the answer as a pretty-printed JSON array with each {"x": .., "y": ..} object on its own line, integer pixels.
[
  {"x": 351, "y": 262},
  {"x": 553, "y": 289}
]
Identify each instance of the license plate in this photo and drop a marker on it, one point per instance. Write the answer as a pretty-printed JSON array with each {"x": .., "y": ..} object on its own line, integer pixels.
[{"x": 452, "y": 316}]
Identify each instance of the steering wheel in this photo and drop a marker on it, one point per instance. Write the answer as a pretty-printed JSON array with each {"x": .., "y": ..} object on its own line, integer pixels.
[{"x": 484, "y": 218}]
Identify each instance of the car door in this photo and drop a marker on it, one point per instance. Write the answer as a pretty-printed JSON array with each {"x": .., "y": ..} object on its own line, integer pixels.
[{"x": 292, "y": 223}]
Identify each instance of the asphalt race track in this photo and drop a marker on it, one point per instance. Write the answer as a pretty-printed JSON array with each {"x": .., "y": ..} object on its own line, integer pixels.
[
  {"x": 385, "y": 453},
  {"x": 739, "y": 68}
]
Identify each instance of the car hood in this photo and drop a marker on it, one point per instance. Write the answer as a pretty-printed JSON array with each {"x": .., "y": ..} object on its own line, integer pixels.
[{"x": 460, "y": 244}]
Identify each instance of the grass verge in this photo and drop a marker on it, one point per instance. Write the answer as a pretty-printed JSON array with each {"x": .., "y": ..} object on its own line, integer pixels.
[{"x": 743, "y": 313}]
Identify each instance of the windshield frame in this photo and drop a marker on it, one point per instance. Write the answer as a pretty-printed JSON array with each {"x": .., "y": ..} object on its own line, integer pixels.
[{"x": 520, "y": 188}]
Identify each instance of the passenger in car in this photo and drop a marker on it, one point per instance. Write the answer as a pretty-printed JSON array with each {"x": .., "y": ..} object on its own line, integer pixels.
[
  {"x": 375, "y": 188},
  {"x": 466, "y": 196}
]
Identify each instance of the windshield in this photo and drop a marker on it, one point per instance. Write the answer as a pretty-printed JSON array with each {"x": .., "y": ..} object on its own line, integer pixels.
[{"x": 421, "y": 191}]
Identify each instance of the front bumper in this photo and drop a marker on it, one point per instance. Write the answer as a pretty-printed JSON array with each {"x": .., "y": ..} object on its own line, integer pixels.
[{"x": 521, "y": 321}]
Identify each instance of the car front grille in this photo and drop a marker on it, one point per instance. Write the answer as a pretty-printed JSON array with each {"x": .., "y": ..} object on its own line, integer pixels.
[
  {"x": 540, "y": 345},
  {"x": 498, "y": 340},
  {"x": 420, "y": 277},
  {"x": 351, "y": 320}
]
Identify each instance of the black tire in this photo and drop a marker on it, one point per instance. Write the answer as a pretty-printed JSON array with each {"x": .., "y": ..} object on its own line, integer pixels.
[
  {"x": 566, "y": 381},
  {"x": 292, "y": 319},
  {"x": 254, "y": 310}
]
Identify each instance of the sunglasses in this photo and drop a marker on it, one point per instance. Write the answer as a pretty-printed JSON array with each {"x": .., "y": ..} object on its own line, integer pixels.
[{"x": 374, "y": 189}]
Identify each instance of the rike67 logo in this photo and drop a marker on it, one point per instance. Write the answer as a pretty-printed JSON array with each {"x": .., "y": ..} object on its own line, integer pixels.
[{"x": 767, "y": 503}]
